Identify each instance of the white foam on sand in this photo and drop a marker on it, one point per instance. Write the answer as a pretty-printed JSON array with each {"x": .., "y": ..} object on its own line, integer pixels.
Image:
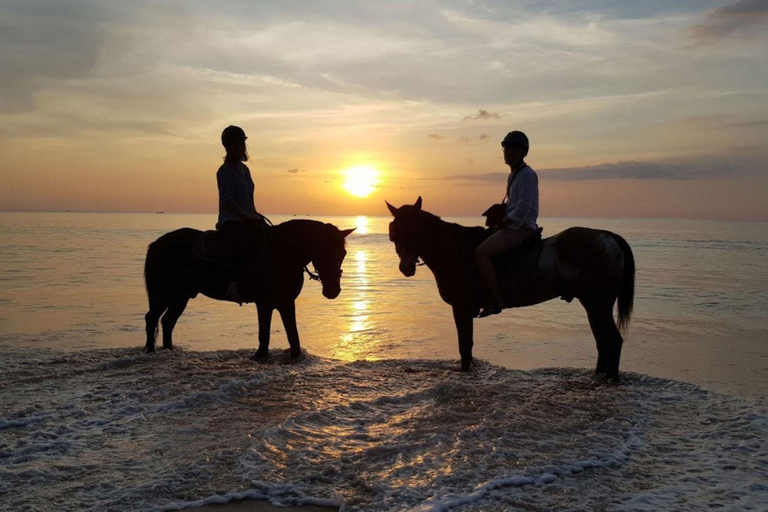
[{"x": 118, "y": 430}]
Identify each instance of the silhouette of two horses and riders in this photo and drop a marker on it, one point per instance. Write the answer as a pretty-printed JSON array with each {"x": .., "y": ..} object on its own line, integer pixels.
[{"x": 594, "y": 266}]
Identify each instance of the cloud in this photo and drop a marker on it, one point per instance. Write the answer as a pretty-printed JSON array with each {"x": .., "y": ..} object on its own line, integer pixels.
[
  {"x": 619, "y": 171},
  {"x": 742, "y": 18},
  {"x": 42, "y": 45},
  {"x": 483, "y": 115},
  {"x": 484, "y": 136},
  {"x": 749, "y": 124},
  {"x": 296, "y": 171},
  {"x": 435, "y": 136}
]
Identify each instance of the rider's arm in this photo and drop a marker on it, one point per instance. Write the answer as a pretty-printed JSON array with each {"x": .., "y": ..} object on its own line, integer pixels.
[
  {"x": 522, "y": 195},
  {"x": 232, "y": 207}
]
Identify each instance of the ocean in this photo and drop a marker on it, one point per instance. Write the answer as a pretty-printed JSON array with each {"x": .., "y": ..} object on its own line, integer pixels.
[{"x": 376, "y": 416}]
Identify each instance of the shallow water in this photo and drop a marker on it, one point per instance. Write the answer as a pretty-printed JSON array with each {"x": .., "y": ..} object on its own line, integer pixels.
[
  {"x": 73, "y": 281},
  {"x": 112, "y": 430}
]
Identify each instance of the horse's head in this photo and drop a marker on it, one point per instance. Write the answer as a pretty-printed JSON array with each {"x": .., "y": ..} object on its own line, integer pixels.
[
  {"x": 327, "y": 256},
  {"x": 407, "y": 232}
]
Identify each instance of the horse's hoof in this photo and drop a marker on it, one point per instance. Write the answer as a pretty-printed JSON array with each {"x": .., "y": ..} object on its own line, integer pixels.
[
  {"x": 295, "y": 354},
  {"x": 148, "y": 350},
  {"x": 261, "y": 354},
  {"x": 169, "y": 347},
  {"x": 465, "y": 365},
  {"x": 600, "y": 376}
]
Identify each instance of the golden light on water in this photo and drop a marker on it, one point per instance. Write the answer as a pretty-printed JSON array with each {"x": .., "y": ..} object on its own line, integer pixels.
[
  {"x": 361, "y": 180},
  {"x": 356, "y": 342},
  {"x": 361, "y": 225}
]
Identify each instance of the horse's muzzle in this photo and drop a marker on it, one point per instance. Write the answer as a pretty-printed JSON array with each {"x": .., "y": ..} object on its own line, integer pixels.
[
  {"x": 331, "y": 291},
  {"x": 408, "y": 266}
]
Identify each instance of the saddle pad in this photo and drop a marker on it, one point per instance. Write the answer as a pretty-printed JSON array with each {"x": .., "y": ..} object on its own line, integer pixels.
[
  {"x": 209, "y": 248},
  {"x": 523, "y": 259}
]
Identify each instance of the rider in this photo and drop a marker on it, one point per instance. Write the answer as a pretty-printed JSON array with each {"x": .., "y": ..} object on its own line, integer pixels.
[
  {"x": 520, "y": 219},
  {"x": 239, "y": 226}
]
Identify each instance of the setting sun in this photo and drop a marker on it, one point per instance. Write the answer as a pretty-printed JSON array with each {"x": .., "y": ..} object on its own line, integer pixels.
[{"x": 360, "y": 180}]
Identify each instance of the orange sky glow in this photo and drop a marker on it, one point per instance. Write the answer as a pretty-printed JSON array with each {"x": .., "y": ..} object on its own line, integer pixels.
[{"x": 632, "y": 111}]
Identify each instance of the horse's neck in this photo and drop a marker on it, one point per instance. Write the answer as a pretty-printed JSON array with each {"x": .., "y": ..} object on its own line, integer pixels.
[
  {"x": 291, "y": 242},
  {"x": 446, "y": 246}
]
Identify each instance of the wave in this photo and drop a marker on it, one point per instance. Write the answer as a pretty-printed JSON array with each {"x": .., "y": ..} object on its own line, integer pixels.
[{"x": 119, "y": 430}]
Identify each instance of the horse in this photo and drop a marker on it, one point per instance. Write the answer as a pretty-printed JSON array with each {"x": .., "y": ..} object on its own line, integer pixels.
[
  {"x": 595, "y": 266},
  {"x": 173, "y": 275}
]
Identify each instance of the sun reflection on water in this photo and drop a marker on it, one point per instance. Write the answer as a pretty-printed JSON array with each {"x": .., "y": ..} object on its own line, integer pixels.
[
  {"x": 358, "y": 341},
  {"x": 361, "y": 225}
]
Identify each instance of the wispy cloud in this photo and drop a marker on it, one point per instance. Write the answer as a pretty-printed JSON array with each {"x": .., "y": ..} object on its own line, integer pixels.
[
  {"x": 742, "y": 18},
  {"x": 482, "y": 115},
  {"x": 750, "y": 124},
  {"x": 296, "y": 171}
]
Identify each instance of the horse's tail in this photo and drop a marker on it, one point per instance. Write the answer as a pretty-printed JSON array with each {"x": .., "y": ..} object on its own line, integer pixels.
[
  {"x": 627, "y": 288},
  {"x": 150, "y": 272}
]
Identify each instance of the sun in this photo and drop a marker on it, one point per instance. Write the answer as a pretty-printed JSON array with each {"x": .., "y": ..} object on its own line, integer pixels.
[{"x": 361, "y": 180}]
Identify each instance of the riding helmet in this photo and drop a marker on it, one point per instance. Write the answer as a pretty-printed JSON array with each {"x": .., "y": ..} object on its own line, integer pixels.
[
  {"x": 231, "y": 134},
  {"x": 517, "y": 138}
]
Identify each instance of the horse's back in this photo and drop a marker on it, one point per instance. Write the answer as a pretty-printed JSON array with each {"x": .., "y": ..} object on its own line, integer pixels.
[
  {"x": 587, "y": 259},
  {"x": 179, "y": 236}
]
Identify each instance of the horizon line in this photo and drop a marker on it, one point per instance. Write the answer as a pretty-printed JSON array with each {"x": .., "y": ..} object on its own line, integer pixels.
[{"x": 710, "y": 219}]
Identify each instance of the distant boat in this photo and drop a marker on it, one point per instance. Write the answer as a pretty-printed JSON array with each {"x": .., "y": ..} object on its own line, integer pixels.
[{"x": 160, "y": 213}]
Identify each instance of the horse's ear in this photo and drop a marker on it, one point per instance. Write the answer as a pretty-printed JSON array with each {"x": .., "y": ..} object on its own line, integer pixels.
[
  {"x": 346, "y": 232},
  {"x": 392, "y": 209},
  {"x": 417, "y": 204}
]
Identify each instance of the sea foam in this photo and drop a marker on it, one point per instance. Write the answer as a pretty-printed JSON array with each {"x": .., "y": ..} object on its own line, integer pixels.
[{"x": 119, "y": 430}]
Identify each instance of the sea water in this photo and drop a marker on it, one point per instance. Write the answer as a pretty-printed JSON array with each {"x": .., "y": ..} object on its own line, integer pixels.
[{"x": 376, "y": 416}]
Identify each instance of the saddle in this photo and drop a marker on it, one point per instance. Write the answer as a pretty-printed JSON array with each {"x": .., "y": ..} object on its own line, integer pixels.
[
  {"x": 521, "y": 260},
  {"x": 210, "y": 248}
]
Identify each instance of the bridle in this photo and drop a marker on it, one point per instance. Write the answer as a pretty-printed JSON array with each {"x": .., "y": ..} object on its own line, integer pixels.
[
  {"x": 315, "y": 276},
  {"x": 399, "y": 249}
]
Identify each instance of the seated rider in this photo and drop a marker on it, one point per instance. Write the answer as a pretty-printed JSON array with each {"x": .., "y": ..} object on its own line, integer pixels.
[
  {"x": 239, "y": 226},
  {"x": 520, "y": 220}
]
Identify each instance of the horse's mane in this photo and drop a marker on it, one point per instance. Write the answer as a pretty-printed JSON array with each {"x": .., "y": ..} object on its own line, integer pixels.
[
  {"x": 468, "y": 232},
  {"x": 296, "y": 226}
]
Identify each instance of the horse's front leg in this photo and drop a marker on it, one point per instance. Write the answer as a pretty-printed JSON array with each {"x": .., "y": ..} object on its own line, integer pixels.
[
  {"x": 288, "y": 314},
  {"x": 265, "y": 325},
  {"x": 464, "y": 319}
]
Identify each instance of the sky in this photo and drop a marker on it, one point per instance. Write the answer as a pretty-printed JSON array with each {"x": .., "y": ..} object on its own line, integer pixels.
[{"x": 633, "y": 109}]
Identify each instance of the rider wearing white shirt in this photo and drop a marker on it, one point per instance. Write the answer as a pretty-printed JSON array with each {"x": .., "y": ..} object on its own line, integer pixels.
[{"x": 520, "y": 219}]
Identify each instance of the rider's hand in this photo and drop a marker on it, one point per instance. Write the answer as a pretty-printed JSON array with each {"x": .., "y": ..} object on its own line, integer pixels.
[{"x": 256, "y": 217}]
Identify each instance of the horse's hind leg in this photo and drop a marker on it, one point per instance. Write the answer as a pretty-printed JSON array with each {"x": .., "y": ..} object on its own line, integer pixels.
[
  {"x": 605, "y": 333},
  {"x": 169, "y": 320},
  {"x": 151, "y": 319},
  {"x": 265, "y": 325},
  {"x": 607, "y": 338}
]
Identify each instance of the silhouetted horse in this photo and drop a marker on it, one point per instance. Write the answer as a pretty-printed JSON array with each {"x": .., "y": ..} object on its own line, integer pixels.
[
  {"x": 173, "y": 275},
  {"x": 594, "y": 266}
]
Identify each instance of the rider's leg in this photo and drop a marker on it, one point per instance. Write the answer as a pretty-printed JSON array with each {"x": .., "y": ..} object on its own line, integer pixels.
[
  {"x": 251, "y": 247},
  {"x": 231, "y": 236},
  {"x": 495, "y": 244},
  {"x": 499, "y": 242}
]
